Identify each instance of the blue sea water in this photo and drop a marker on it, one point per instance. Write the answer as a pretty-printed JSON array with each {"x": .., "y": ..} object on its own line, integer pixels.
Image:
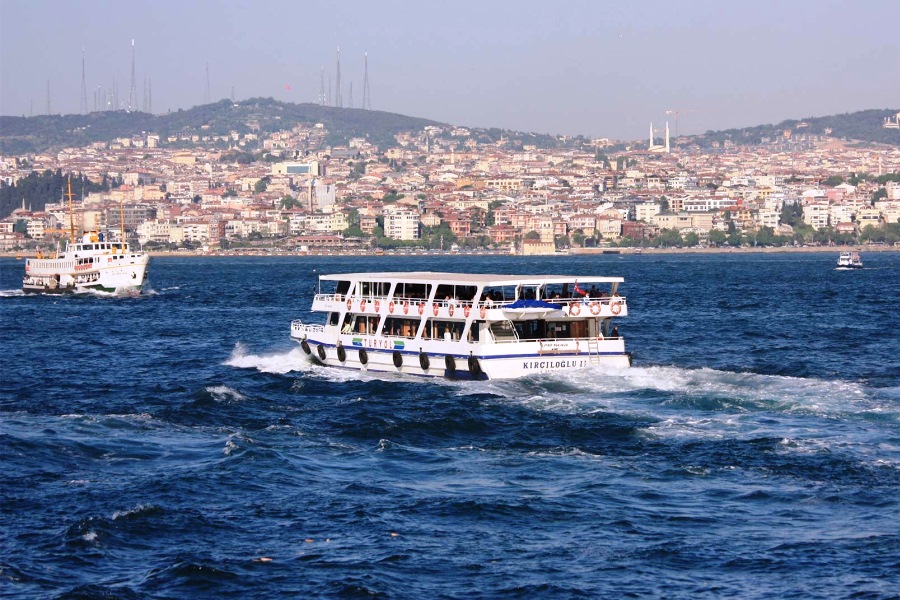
[{"x": 177, "y": 444}]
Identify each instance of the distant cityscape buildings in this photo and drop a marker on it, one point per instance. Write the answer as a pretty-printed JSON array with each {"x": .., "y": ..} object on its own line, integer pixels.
[{"x": 446, "y": 186}]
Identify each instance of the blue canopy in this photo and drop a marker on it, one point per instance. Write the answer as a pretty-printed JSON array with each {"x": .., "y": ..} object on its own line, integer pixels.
[{"x": 520, "y": 304}]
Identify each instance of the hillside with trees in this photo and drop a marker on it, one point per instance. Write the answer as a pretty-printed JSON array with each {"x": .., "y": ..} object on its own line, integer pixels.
[
  {"x": 22, "y": 135},
  {"x": 49, "y": 186},
  {"x": 862, "y": 126}
]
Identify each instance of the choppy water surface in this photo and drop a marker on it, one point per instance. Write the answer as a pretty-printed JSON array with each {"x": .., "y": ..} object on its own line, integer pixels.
[{"x": 177, "y": 445}]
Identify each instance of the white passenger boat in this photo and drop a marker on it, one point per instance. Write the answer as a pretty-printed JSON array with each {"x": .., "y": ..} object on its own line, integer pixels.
[
  {"x": 849, "y": 260},
  {"x": 465, "y": 326},
  {"x": 89, "y": 265},
  {"x": 93, "y": 264}
]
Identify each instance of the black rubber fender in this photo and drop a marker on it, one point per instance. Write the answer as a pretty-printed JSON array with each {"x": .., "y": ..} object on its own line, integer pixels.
[
  {"x": 363, "y": 356},
  {"x": 474, "y": 366},
  {"x": 305, "y": 345},
  {"x": 424, "y": 362},
  {"x": 450, "y": 363},
  {"x": 320, "y": 350},
  {"x": 342, "y": 354},
  {"x": 398, "y": 359}
]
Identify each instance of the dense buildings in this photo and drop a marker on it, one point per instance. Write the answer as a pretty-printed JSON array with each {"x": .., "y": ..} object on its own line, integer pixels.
[{"x": 440, "y": 188}]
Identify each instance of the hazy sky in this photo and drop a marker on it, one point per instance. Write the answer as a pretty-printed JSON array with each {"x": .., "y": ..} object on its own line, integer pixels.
[{"x": 597, "y": 68}]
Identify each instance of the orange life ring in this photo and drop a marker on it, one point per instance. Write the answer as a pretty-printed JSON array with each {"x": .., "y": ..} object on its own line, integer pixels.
[
  {"x": 616, "y": 308},
  {"x": 450, "y": 310},
  {"x": 574, "y": 309},
  {"x": 362, "y": 305},
  {"x": 391, "y": 307},
  {"x": 377, "y": 305},
  {"x": 349, "y": 303},
  {"x": 595, "y": 308},
  {"x": 406, "y": 307},
  {"x": 483, "y": 312},
  {"x": 435, "y": 308},
  {"x": 421, "y": 308},
  {"x": 467, "y": 310}
]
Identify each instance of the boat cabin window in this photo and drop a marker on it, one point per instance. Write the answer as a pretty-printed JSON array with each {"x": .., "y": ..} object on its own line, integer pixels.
[
  {"x": 342, "y": 288},
  {"x": 413, "y": 291},
  {"x": 559, "y": 330},
  {"x": 374, "y": 288},
  {"x": 397, "y": 327},
  {"x": 443, "y": 330},
  {"x": 364, "y": 324},
  {"x": 333, "y": 318},
  {"x": 475, "y": 331},
  {"x": 534, "y": 329},
  {"x": 458, "y": 292}
]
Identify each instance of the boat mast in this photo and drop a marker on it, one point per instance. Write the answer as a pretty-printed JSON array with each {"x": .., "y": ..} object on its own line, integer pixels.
[
  {"x": 71, "y": 214},
  {"x": 122, "y": 220}
]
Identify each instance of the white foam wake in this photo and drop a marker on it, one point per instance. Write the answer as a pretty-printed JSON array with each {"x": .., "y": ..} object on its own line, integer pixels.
[{"x": 279, "y": 362}]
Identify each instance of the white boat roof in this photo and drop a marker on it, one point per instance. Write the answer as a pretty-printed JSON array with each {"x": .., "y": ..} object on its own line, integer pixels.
[{"x": 467, "y": 278}]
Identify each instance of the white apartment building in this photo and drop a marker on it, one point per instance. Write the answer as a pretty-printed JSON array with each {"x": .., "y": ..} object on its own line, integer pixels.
[
  {"x": 401, "y": 223},
  {"x": 645, "y": 211},
  {"x": 164, "y": 232},
  {"x": 840, "y": 213},
  {"x": 769, "y": 218},
  {"x": 36, "y": 228},
  {"x": 816, "y": 214}
]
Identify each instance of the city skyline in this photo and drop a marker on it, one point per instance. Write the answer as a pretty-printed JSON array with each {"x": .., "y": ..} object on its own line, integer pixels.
[{"x": 591, "y": 70}]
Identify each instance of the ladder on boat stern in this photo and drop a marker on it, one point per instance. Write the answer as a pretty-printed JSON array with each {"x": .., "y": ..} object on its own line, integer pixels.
[{"x": 593, "y": 352}]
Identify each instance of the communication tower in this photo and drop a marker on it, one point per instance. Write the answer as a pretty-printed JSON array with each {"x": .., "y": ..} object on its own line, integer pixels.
[
  {"x": 132, "y": 92},
  {"x": 84, "y": 106},
  {"x": 338, "y": 102},
  {"x": 366, "y": 99}
]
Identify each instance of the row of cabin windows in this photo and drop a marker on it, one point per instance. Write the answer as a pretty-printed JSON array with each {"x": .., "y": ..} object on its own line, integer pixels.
[
  {"x": 404, "y": 327},
  {"x": 436, "y": 329},
  {"x": 467, "y": 293},
  {"x": 103, "y": 246}
]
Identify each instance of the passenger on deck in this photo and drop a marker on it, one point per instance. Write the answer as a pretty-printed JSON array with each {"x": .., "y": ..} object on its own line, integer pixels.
[{"x": 615, "y": 332}]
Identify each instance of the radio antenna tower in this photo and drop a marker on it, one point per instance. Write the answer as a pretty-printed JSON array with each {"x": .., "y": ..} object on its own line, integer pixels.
[
  {"x": 350, "y": 99},
  {"x": 338, "y": 102},
  {"x": 207, "y": 97},
  {"x": 132, "y": 93},
  {"x": 322, "y": 85},
  {"x": 366, "y": 100},
  {"x": 84, "y": 106}
]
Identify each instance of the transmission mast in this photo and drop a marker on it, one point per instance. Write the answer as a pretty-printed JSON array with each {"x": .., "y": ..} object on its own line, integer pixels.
[
  {"x": 84, "y": 105},
  {"x": 366, "y": 99},
  {"x": 338, "y": 102},
  {"x": 322, "y": 85},
  {"x": 132, "y": 93}
]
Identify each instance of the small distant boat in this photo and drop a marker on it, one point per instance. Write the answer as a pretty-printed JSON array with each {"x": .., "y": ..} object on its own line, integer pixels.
[{"x": 848, "y": 261}]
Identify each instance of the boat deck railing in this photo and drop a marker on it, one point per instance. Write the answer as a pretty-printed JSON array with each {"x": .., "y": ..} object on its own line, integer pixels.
[{"x": 586, "y": 305}]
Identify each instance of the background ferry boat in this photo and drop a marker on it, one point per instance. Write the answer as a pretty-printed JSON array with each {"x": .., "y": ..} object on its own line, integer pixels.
[
  {"x": 849, "y": 260},
  {"x": 94, "y": 264},
  {"x": 89, "y": 265},
  {"x": 465, "y": 325}
]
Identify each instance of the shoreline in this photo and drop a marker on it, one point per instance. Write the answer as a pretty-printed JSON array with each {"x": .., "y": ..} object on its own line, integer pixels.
[{"x": 570, "y": 252}]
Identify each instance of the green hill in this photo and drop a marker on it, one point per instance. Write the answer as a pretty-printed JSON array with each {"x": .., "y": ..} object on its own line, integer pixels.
[
  {"x": 21, "y": 135},
  {"x": 862, "y": 126}
]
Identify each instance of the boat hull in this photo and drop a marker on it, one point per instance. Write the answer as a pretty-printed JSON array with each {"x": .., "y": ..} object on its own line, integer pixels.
[{"x": 486, "y": 366}]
